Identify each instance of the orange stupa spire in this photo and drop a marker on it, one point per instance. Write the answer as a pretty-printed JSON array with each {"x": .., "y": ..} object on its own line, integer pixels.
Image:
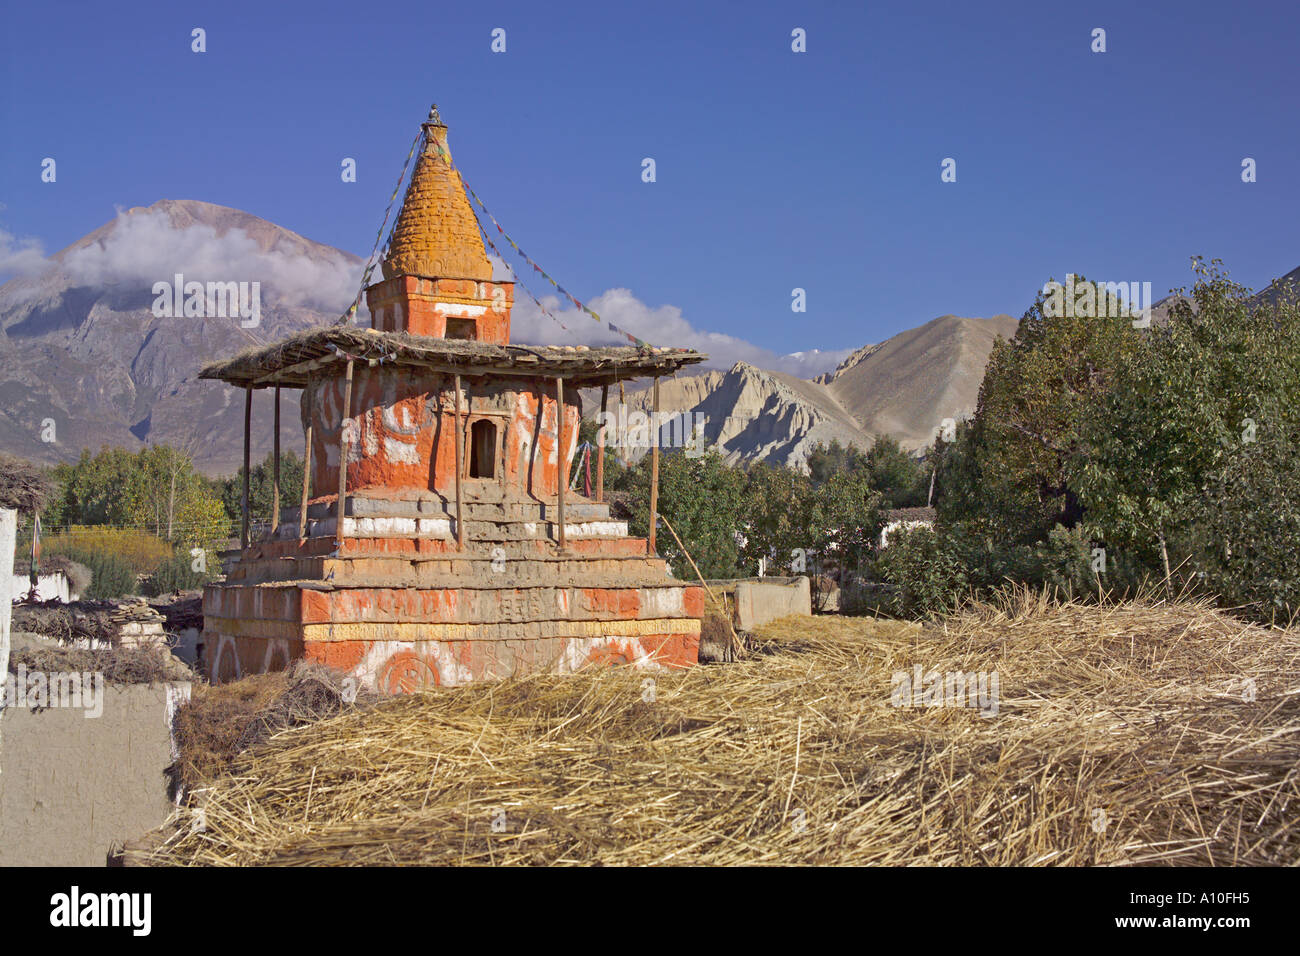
[{"x": 436, "y": 235}]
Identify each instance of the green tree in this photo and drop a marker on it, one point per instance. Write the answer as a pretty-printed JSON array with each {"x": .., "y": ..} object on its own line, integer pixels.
[
  {"x": 173, "y": 500},
  {"x": 156, "y": 489},
  {"x": 1016, "y": 457},
  {"x": 776, "y": 519},
  {"x": 826, "y": 460},
  {"x": 1189, "y": 459},
  {"x": 702, "y": 498},
  {"x": 901, "y": 479},
  {"x": 261, "y": 489},
  {"x": 845, "y": 521},
  {"x": 99, "y": 489}
]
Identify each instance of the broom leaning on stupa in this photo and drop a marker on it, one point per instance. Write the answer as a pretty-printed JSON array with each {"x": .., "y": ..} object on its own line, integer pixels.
[{"x": 460, "y": 554}]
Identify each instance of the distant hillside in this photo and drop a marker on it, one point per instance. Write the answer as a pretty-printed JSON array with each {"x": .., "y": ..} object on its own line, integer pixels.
[
  {"x": 79, "y": 343},
  {"x": 905, "y": 386},
  {"x": 81, "y": 347}
]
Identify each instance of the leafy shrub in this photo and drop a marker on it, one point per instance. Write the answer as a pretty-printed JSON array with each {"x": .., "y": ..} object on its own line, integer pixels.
[
  {"x": 140, "y": 551},
  {"x": 176, "y": 574},
  {"x": 110, "y": 575},
  {"x": 1248, "y": 547},
  {"x": 924, "y": 573}
]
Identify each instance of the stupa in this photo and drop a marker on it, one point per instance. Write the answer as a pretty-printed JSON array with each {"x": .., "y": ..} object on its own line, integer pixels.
[{"x": 437, "y": 541}]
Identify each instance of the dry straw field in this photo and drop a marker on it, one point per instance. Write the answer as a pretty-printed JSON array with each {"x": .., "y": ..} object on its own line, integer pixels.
[{"x": 1124, "y": 735}]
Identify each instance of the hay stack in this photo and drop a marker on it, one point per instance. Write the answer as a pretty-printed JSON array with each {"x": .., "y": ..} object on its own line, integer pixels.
[
  {"x": 118, "y": 665},
  {"x": 1122, "y": 737}
]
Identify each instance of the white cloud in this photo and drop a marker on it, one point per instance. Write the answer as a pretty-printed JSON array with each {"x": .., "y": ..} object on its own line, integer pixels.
[
  {"x": 20, "y": 257},
  {"x": 664, "y": 325},
  {"x": 145, "y": 247}
]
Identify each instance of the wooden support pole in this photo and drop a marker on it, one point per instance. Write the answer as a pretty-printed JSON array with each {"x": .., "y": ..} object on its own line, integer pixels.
[
  {"x": 275, "y": 468},
  {"x": 344, "y": 450},
  {"x": 654, "y": 466},
  {"x": 460, "y": 453},
  {"x": 600, "y": 443},
  {"x": 622, "y": 404},
  {"x": 737, "y": 646},
  {"x": 243, "y": 500},
  {"x": 306, "y": 462},
  {"x": 561, "y": 454}
]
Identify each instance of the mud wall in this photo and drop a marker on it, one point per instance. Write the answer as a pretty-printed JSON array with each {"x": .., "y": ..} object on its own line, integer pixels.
[
  {"x": 71, "y": 785},
  {"x": 401, "y": 438}
]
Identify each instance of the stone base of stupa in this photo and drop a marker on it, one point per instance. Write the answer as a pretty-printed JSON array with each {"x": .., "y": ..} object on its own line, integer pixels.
[{"x": 398, "y": 607}]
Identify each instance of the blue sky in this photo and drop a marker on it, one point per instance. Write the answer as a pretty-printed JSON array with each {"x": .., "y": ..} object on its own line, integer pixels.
[{"x": 775, "y": 170}]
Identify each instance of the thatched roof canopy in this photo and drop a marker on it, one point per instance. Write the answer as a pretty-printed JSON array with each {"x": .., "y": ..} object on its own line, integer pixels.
[{"x": 319, "y": 351}]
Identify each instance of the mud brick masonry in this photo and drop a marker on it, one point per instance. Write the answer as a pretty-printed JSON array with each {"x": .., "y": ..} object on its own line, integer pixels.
[{"x": 437, "y": 542}]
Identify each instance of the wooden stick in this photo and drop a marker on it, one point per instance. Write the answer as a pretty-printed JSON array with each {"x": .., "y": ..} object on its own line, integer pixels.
[
  {"x": 460, "y": 441},
  {"x": 736, "y": 646},
  {"x": 243, "y": 501},
  {"x": 306, "y": 462},
  {"x": 344, "y": 449},
  {"x": 654, "y": 467},
  {"x": 275, "y": 468},
  {"x": 622, "y": 404},
  {"x": 561, "y": 456},
  {"x": 600, "y": 450}
]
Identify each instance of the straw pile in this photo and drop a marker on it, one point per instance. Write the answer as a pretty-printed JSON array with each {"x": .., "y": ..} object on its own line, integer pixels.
[
  {"x": 1124, "y": 735},
  {"x": 99, "y": 622},
  {"x": 23, "y": 486},
  {"x": 221, "y": 721},
  {"x": 118, "y": 665}
]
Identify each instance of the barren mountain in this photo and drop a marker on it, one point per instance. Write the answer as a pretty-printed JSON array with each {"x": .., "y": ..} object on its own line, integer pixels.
[
  {"x": 84, "y": 354},
  {"x": 905, "y": 386}
]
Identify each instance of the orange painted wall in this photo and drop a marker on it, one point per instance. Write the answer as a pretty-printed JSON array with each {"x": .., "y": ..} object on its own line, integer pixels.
[
  {"x": 401, "y": 438},
  {"x": 422, "y": 306}
]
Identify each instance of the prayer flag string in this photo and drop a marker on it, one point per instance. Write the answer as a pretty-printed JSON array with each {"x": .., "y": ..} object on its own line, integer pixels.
[
  {"x": 351, "y": 313},
  {"x": 536, "y": 301},
  {"x": 639, "y": 343}
]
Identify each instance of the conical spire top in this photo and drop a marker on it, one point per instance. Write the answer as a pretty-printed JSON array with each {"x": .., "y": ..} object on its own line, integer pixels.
[{"x": 436, "y": 234}]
